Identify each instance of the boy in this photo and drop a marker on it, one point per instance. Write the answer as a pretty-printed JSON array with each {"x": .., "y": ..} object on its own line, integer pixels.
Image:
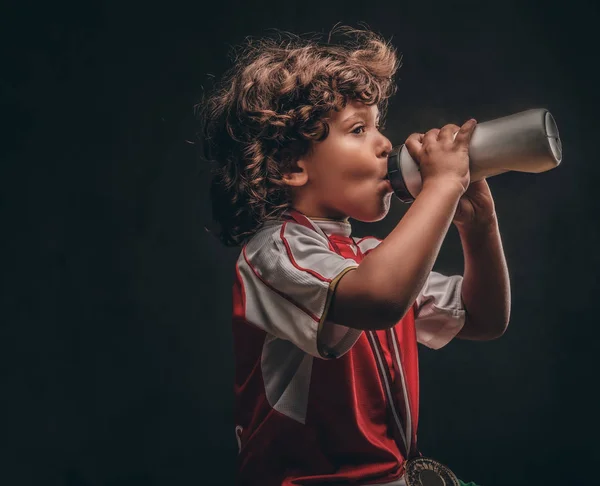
[{"x": 326, "y": 325}]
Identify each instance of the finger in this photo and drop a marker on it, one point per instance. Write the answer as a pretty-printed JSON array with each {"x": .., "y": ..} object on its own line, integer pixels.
[
  {"x": 417, "y": 137},
  {"x": 463, "y": 137},
  {"x": 431, "y": 135},
  {"x": 478, "y": 187},
  {"x": 448, "y": 132},
  {"x": 414, "y": 144}
]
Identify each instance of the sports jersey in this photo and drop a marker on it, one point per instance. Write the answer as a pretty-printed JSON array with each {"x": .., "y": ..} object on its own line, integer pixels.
[{"x": 318, "y": 402}]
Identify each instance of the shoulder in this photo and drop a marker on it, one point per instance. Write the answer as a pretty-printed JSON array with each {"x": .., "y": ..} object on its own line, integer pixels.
[
  {"x": 289, "y": 251},
  {"x": 277, "y": 236},
  {"x": 283, "y": 240}
]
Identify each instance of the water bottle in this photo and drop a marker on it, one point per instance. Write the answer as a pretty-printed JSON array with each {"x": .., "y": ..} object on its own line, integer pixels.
[{"x": 524, "y": 142}]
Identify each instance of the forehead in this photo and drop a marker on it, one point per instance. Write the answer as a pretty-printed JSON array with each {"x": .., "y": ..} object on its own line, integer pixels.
[{"x": 353, "y": 110}]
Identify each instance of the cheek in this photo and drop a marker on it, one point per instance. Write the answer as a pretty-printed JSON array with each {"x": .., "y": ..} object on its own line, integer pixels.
[{"x": 359, "y": 172}]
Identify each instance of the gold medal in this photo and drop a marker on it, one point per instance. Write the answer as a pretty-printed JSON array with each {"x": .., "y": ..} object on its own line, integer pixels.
[{"x": 422, "y": 471}]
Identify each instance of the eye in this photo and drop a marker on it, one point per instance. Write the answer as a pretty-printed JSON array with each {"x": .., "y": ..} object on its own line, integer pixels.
[{"x": 359, "y": 129}]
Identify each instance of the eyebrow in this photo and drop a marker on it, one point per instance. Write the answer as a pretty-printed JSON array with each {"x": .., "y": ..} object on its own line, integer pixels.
[{"x": 361, "y": 113}]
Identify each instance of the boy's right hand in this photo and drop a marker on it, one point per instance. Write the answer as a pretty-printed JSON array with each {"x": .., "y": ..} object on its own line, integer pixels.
[{"x": 442, "y": 158}]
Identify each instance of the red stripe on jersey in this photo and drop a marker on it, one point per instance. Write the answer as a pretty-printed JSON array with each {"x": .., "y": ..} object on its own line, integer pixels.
[
  {"x": 294, "y": 215},
  {"x": 279, "y": 292},
  {"x": 300, "y": 218},
  {"x": 239, "y": 292},
  {"x": 293, "y": 261}
]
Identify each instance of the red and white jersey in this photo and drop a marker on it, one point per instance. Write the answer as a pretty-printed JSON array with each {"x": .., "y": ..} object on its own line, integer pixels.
[{"x": 318, "y": 402}]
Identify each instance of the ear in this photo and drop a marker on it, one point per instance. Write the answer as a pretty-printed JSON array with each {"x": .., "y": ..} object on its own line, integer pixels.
[{"x": 298, "y": 175}]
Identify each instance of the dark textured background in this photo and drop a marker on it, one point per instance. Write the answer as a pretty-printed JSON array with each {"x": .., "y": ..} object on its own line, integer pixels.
[{"x": 116, "y": 346}]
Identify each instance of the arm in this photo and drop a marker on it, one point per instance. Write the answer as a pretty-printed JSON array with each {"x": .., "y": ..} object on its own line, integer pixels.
[
  {"x": 372, "y": 296},
  {"x": 486, "y": 286}
]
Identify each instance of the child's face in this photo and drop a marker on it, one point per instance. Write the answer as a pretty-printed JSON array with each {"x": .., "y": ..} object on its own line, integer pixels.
[{"x": 344, "y": 175}]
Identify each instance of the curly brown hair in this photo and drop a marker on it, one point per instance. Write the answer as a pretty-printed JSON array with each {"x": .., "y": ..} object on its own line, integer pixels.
[{"x": 269, "y": 109}]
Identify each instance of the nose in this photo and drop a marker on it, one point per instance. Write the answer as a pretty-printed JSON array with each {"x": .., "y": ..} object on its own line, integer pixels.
[{"x": 384, "y": 147}]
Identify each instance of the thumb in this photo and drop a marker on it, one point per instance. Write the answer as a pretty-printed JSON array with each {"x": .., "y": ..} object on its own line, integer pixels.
[{"x": 463, "y": 137}]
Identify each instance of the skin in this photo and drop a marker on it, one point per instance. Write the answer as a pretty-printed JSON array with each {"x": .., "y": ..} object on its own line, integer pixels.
[{"x": 344, "y": 176}]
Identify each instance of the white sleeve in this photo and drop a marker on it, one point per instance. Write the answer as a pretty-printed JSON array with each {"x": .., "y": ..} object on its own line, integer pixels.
[
  {"x": 440, "y": 313},
  {"x": 289, "y": 275}
]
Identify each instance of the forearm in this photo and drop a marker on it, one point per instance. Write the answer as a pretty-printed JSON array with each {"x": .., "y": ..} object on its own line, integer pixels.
[{"x": 486, "y": 285}]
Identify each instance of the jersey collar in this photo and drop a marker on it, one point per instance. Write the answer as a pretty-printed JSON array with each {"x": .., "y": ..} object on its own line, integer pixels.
[
  {"x": 328, "y": 226},
  {"x": 333, "y": 226}
]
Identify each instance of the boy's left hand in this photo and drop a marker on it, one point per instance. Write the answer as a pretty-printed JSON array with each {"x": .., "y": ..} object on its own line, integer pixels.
[{"x": 476, "y": 207}]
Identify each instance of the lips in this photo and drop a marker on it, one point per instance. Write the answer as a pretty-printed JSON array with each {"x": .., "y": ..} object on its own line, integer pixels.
[{"x": 388, "y": 184}]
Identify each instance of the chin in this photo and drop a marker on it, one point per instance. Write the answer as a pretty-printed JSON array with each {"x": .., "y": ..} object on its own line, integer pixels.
[{"x": 377, "y": 214}]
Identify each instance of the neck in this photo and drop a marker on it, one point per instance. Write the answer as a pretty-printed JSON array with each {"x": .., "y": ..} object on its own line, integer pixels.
[{"x": 309, "y": 208}]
